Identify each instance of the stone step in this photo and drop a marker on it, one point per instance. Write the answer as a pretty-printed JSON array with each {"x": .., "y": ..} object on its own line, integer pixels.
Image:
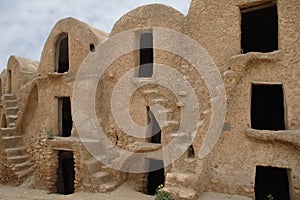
[
  {"x": 159, "y": 100},
  {"x": 180, "y": 193},
  {"x": 12, "y": 110},
  {"x": 93, "y": 165},
  {"x": 15, "y": 151},
  {"x": 12, "y": 124},
  {"x": 22, "y": 166},
  {"x": 25, "y": 172},
  {"x": 9, "y": 97},
  {"x": 180, "y": 135},
  {"x": 87, "y": 186},
  {"x": 9, "y": 131},
  {"x": 164, "y": 111},
  {"x": 11, "y": 103},
  {"x": 172, "y": 124},
  {"x": 100, "y": 177},
  {"x": 11, "y": 118},
  {"x": 17, "y": 159},
  {"x": 181, "y": 179},
  {"x": 12, "y": 141},
  {"x": 220, "y": 196},
  {"x": 109, "y": 186},
  {"x": 150, "y": 91}
]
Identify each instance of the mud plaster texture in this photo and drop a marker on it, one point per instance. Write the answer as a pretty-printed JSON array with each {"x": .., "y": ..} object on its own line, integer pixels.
[{"x": 30, "y": 123}]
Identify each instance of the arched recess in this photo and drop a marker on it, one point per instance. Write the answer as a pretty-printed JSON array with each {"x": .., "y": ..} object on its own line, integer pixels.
[{"x": 62, "y": 53}]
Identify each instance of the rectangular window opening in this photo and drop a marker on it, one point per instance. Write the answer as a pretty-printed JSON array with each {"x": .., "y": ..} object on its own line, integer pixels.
[
  {"x": 146, "y": 55},
  {"x": 259, "y": 28},
  {"x": 271, "y": 182},
  {"x": 267, "y": 107},
  {"x": 65, "y": 121}
]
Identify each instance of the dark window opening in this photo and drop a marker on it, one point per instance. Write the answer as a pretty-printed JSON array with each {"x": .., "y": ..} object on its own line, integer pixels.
[
  {"x": 92, "y": 47},
  {"x": 1, "y": 88},
  {"x": 9, "y": 87},
  {"x": 63, "y": 55},
  {"x": 155, "y": 128},
  {"x": 146, "y": 55},
  {"x": 65, "y": 116},
  {"x": 260, "y": 30},
  {"x": 191, "y": 152},
  {"x": 156, "y": 177},
  {"x": 3, "y": 122},
  {"x": 271, "y": 181},
  {"x": 267, "y": 107},
  {"x": 65, "y": 173}
]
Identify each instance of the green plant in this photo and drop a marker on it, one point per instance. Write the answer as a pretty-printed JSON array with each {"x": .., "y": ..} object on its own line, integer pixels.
[
  {"x": 270, "y": 197},
  {"x": 161, "y": 194},
  {"x": 49, "y": 134}
]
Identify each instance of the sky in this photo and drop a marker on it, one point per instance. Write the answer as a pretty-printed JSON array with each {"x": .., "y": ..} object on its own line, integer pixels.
[{"x": 26, "y": 24}]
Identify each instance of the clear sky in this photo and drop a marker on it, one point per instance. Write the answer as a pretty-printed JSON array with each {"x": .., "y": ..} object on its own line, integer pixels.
[{"x": 26, "y": 24}]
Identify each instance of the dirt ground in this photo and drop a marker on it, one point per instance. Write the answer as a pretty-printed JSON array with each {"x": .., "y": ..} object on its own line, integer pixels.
[{"x": 124, "y": 192}]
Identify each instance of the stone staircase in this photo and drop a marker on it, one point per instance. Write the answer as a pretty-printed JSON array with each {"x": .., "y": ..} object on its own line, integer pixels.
[
  {"x": 102, "y": 178},
  {"x": 13, "y": 141},
  {"x": 181, "y": 186}
]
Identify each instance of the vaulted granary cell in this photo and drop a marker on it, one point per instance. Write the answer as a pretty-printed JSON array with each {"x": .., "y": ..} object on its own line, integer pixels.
[
  {"x": 156, "y": 177},
  {"x": 63, "y": 55},
  {"x": 146, "y": 55},
  {"x": 65, "y": 121},
  {"x": 271, "y": 183},
  {"x": 267, "y": 107},
  {"x": 260, "y": 28},
  {"x": 65, "y": 173}
]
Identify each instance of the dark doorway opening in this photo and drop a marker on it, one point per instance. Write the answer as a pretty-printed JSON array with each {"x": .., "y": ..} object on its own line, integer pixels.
[
  {"x": 3, "y": 122},
  {"x": 65, "y": 116},
  {"x": 191, "y": 152},
  {"x": 63, "y": 55},
  {"x": 156, "y": 177},
  {"x": 155, "y": 128},
  {"x": 259, "y": 29},
  {"x": 271, "y": 181},
  {"x": 267, "y": 107},
  {"x": 146, "y": 55},
  {"x": 92, "y": 47},
  {"x": 65, "y": 173}
]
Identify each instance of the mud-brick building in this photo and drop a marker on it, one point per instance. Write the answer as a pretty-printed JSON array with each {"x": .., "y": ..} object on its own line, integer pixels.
[{"x": 255, "y": 47}]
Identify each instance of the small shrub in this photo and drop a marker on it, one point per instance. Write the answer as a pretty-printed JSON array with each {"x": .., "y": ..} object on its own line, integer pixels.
[
  {"x": 49, "y": 134},
  {"x": 270, "y": 197},
  {"x": 161, "y": 194}
]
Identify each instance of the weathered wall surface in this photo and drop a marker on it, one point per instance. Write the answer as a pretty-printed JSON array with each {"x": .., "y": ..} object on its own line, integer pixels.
[{"x": 216, "y": 26}]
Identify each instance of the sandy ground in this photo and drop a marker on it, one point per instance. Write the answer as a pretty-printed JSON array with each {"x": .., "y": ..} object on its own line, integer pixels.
[{"x": 124, "y": 192}]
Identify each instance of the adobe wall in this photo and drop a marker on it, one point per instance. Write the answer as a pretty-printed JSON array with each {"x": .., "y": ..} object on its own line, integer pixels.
[{"x": 216, "y": 25}]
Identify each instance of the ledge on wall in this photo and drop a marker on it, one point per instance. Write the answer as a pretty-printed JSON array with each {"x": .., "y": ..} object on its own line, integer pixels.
[
  {"x": 287, "y": 136},
  {"x": 239, "y": 63}
]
